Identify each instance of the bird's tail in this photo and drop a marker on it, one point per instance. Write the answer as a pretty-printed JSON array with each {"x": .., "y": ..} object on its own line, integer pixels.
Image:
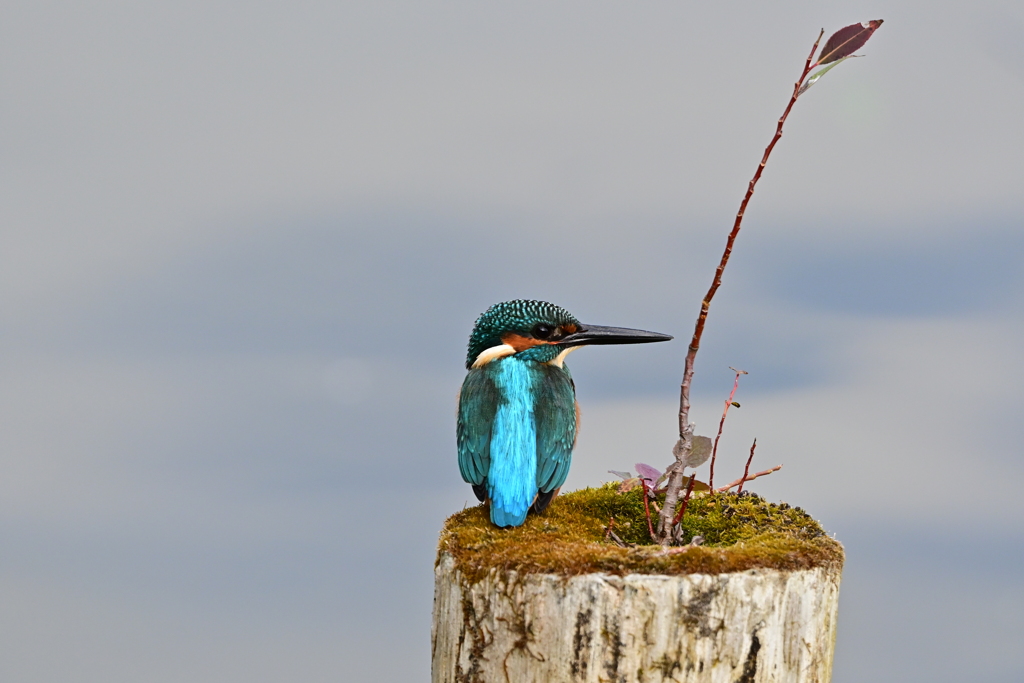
[{"x": 502, "y": 517}]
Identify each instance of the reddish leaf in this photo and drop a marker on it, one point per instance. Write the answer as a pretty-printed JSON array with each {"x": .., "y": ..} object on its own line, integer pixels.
[
  {"x": 846, "y": 41},
  {"x": 652, "y": 474}
]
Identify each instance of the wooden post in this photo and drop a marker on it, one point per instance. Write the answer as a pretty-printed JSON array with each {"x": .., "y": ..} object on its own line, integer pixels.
[{"x": 751, "y": 626}]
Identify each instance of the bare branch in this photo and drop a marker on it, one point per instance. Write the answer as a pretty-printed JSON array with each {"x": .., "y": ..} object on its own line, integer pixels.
[
  {"x": 675, "y": 481},
  {"x": 721, "y": 424},
  {"x": 647, "y": 511},
  {"x": 618, "y": 541},
  {"x": 746, "y": 468},
  {"x": 686, "y": 500},
  {"x": 752, "y": 477}
]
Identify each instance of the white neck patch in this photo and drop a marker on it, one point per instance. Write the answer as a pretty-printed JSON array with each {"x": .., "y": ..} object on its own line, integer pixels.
[
  {"x": 493, "y": 353},
  {"x": 560, "y": 358}
]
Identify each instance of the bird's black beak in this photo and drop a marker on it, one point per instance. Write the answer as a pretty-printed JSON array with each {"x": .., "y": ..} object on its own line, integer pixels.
[{"x": 598, "y": 334}]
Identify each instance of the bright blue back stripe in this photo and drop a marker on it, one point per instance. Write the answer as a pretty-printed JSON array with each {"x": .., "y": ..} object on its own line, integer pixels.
[{"x": 512, "y": 480}]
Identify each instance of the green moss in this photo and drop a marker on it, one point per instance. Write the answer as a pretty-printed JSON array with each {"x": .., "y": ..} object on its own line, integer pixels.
[{"x": 740, "y": 532}]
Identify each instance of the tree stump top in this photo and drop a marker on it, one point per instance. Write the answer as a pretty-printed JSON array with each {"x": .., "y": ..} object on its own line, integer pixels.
[{"x": 570, "y": 538}]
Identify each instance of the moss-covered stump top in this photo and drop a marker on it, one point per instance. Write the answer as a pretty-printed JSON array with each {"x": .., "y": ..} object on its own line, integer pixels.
[{"x": 740, "y": 532}]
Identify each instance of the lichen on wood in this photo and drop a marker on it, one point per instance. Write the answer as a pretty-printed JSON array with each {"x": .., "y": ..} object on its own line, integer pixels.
[
  {"x": 755, "y": 626},
  {"x": 739, "y": 532}
]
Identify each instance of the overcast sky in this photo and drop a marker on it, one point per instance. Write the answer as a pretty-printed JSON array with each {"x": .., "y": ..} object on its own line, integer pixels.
[{"x": 244, "y": 244}]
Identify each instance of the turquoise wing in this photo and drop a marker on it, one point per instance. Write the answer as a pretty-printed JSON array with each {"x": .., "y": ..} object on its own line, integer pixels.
[
  {"x": 556, "y": 426},
  {"x": 478, "y": 403}
]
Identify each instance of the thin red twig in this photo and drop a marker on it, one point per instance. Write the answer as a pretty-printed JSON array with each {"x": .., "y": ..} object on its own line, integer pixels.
[
  {"x": 647, "y": 511},
  {"x": 746, "y": 468},
  {"x": 675, "y": 481},
  {"x": 686, "y": 501},
  {"x": 721, "y": 424},
  {"x": 608, "y": 531},
  {"x": 752, "y": 477}
]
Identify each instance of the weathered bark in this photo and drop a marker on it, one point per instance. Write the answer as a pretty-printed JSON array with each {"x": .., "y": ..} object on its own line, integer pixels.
[{"x": 745, "y": 627}]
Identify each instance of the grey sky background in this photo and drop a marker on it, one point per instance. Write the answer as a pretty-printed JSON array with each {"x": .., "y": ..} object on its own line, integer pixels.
[{"x": 244, "y": 244}]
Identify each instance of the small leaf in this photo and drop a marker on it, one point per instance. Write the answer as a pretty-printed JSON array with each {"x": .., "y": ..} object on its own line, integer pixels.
[
  {"x": 629, "y": 484},
  {"x": 698, "y": 486},
  {"x": 735, "y": 404},
  {"x": 652, "y": 474},
  {"x": 814, "y": 79},
  {"x": 621, "y": 475},
  {"x": 700, "y": 451},
  {"x": 846, "y": 41}
]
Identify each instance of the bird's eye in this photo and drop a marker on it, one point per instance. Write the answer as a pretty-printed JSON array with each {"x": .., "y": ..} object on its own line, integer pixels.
[{"x": 542, "y": 331}]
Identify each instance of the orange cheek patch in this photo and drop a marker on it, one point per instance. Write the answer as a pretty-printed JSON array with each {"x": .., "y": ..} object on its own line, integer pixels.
[{"x": 521, "y": 343}]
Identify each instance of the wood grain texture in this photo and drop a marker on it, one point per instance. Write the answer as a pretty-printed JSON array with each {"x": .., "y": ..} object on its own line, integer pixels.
[{"x": 754, "y": 626}]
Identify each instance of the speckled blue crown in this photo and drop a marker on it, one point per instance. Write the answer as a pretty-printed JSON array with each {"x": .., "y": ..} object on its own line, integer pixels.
[{"x": 513, "y": 316}]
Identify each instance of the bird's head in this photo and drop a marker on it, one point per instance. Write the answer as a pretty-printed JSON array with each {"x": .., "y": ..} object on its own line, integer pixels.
[{"x": 542, "y": 331}]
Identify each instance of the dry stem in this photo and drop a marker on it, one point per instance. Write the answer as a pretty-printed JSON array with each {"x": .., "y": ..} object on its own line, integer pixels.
[
  {"x": 675, "y": 480},
  {"x": 686, "y": 501},
  {"x": 647, "y": 510},
  {"x": 744, "y": 478},
  {"x": 721, "y": 424},
  {"x": 746, "y": 468}
]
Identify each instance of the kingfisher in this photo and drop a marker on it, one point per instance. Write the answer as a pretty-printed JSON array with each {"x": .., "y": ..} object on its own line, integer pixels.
[{"x": 517, "y": 414}]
